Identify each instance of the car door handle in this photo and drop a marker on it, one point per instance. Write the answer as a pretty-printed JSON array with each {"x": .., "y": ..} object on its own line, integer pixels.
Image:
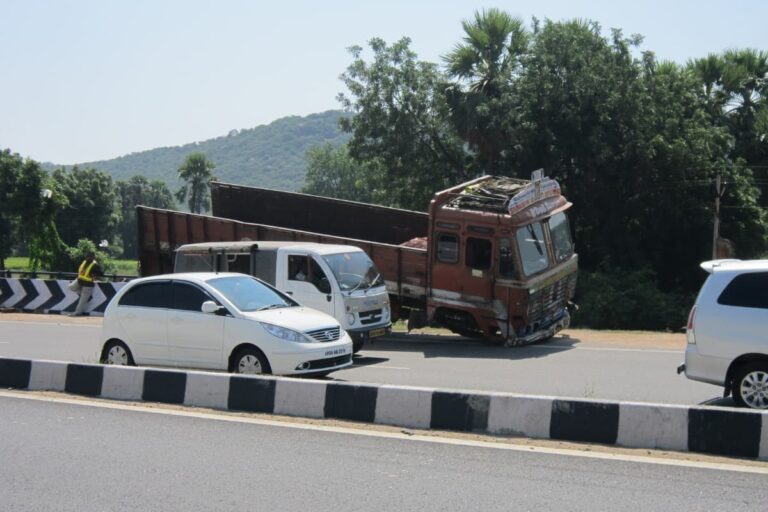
[{"x": 289, "y": 293}]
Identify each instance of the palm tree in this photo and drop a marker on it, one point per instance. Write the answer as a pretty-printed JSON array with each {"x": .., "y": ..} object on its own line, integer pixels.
[
  {"x": 196, "y": 173},
  {"x": 490, "y": 52},
  {"x": 484, "y": 64}
]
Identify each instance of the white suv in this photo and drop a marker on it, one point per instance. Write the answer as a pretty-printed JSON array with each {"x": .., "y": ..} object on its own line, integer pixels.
[{"x": 728, "y": 331}]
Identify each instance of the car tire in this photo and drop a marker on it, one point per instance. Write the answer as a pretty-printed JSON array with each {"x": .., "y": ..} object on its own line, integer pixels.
[
  {"x": 750, "y": 386},
  {"x": 250, "y": 361},
  {"x": 117, "y": 353}
]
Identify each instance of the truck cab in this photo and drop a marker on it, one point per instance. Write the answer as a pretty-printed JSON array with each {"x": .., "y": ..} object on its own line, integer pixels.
[
  {"x": 503, "y": 261},
  {"x": 339, "y": 280}
]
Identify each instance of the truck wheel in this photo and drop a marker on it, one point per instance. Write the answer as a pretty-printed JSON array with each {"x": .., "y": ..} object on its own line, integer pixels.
[
  {"x": 357, "y": 345},
  {"x": 750, "y": 386},
  {"x": 250, "y": 361}
]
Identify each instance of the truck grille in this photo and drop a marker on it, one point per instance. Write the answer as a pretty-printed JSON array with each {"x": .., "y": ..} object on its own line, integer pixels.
[
  {"x": 325, "y": 335},
  {"x": 548, "y": 301},
  {"x": 370, "y": 317}
]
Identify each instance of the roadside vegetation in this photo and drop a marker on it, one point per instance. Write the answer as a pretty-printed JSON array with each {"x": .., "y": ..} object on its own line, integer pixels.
[{"x": 641, "y": 147}]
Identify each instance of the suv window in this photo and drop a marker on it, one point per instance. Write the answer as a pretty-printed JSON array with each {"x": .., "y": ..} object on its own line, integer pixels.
[
  {"x": 747, "y": 291},
  {"x": 148, "y": 295},
  {"x": 187, "y": 297}
]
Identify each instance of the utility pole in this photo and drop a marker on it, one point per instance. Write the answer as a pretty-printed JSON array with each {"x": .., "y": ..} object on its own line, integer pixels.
[{"x": 716, "y": 234}]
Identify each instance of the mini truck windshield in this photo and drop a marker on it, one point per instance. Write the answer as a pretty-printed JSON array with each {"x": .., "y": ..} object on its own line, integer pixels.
[
  {"x": 354, "y": 270},
  {"x": 248, "y": 294}
]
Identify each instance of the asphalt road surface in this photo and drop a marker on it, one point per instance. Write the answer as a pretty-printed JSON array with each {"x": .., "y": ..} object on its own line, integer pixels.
[
  {"x": 604, "y": 367},
  {"x": 67, "y": 457}
]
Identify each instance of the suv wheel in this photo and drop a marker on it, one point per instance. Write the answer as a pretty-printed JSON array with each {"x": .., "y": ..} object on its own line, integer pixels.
[{"x": 750, "y": 386}]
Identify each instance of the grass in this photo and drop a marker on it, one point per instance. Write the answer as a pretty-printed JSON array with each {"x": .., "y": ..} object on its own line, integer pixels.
[{"x": 122, "y": 267}]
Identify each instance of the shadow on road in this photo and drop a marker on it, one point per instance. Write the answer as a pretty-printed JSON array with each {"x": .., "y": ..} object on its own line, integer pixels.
[
  {"x": 719, "y": 401},
  {"x": 432, "y": 345}
]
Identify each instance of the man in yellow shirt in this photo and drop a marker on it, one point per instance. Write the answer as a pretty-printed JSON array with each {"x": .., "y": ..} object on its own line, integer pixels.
[{"x": 89, "y": 269}]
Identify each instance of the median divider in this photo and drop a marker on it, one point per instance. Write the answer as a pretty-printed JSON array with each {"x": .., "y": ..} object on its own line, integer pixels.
[{"x": 712, "y": 430}]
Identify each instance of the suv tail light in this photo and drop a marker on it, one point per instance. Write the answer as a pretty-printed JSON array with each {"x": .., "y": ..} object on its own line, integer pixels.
[{"x": 690, "y": 336}]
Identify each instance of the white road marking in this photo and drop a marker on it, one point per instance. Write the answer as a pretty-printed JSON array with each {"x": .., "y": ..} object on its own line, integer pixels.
[
  {"x": 379, "y": 367},
  {"x": 401, "y": 436},
  {"x": 607, "y": 349}
]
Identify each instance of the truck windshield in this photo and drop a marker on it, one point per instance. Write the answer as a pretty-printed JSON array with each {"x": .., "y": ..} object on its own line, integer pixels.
[
  {"x": 354, "y": 270},
  {"x": 248, "y": 294},
  {"x": 533, "y": 248},
  {"x": 561, "y": 236}
]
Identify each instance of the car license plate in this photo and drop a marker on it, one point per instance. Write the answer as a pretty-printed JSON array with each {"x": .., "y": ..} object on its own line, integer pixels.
[
  {"x": 376, "y": 333},
  {"x": 335, "y": 352}
]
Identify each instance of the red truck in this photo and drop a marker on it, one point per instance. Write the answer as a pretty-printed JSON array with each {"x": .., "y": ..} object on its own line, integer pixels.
[{"x": 492, "y": 258}]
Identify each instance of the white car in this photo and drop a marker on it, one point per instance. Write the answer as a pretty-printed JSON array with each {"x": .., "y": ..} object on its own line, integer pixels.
[
  {"x": 220, "y": 321},
  {"x": 727, "y": 342}
]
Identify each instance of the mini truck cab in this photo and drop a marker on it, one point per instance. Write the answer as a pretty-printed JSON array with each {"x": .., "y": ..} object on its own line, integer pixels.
[{"x": 339, "y": 280}]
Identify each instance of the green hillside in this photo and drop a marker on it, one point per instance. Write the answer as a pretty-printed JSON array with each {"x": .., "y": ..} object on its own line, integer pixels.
[{"x": 269, "y": 155}]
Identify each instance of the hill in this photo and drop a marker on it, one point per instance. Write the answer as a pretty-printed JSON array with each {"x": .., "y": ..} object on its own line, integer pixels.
[{"x": 268, "y": 155}]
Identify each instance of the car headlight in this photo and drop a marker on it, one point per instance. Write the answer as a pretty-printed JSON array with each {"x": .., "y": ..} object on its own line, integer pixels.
[{"x": 285, "y": 334}]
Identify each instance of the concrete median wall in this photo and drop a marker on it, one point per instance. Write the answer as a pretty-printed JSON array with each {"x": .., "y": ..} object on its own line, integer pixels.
[{"x": 711, "y": 430}]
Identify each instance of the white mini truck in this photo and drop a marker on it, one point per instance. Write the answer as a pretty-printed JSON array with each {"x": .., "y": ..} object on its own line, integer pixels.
[{"x": 339, "y": 280}]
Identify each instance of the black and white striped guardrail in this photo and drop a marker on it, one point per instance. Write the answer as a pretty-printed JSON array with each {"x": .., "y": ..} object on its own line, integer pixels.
[
  {"x": 52, "y": 296},
  {"x": 720, "y": 431}
]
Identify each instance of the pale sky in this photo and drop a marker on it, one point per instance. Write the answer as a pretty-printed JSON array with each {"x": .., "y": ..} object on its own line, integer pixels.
[{"x": 91, "y": 80}]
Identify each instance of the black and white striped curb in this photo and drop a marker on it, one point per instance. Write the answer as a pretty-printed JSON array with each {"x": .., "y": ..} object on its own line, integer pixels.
[
  {"x": 52, "y": 296},
  {"x": 719, "y": 431}
]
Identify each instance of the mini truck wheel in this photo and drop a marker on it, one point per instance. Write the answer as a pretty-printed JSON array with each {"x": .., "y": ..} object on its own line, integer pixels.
[
  {"x": 116, "y": 352},
  {"x": 250, "y": 361},
  {"x": 750, "y": 386}
]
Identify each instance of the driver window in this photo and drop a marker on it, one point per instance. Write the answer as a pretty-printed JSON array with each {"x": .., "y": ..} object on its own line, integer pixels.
[
  {"x": 305, "y": 268},
  {"x": 318, "y": 277},
  {"x": 298, "y": 268}
]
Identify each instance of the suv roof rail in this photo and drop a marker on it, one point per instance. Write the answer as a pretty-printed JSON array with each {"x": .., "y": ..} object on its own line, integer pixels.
[{"x": 711, "y": 265}]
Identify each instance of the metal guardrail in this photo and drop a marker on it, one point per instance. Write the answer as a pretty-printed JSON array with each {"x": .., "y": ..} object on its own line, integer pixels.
[{"x": 60, "y": 275}]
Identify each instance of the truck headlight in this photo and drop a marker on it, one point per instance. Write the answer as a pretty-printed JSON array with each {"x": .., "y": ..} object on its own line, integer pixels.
[{"x": 285, "y": 334}]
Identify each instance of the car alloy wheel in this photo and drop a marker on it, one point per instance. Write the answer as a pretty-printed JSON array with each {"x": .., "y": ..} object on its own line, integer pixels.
[{"x": 753, "y": 389}]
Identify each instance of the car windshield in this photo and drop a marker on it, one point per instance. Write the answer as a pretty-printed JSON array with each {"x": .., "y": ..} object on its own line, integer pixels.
[
  {"x": 354, "y": 271},
  {"x": 248, "y": 294}
]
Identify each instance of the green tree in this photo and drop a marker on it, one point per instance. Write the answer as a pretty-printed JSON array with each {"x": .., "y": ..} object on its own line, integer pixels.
[
  {"x": 735, "y": 85},
  {"x": 401, "y": 123},
  {"x": 331, "y": 172},
  {"x": 90, "y": 205},
  {"x": 485, "y": 64},
  {"x": 27, "y": 208},
  {"x": 138, "y": 190},
  {"x": 196, "y": 173}
]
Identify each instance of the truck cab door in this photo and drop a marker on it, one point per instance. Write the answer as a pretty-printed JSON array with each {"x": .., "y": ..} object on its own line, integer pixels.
[
  {"x": 478, "y": 268},
  {"x": 308, "y": 283}
]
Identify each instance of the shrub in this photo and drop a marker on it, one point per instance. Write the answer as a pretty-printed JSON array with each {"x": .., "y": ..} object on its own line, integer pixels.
[{"x": 617, "y": 299}]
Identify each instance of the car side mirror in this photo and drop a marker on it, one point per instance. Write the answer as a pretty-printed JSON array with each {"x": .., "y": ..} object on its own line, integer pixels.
[{"x": 210, "y": 307}]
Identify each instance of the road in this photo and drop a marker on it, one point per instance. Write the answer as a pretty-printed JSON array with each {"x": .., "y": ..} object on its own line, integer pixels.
[
  {"x": 65, "y": 456},
  {"x": 601, "y": 366}
]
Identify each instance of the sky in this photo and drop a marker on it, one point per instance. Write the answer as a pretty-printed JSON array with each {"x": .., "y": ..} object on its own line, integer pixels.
[{"x": 91, "y": 80}]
